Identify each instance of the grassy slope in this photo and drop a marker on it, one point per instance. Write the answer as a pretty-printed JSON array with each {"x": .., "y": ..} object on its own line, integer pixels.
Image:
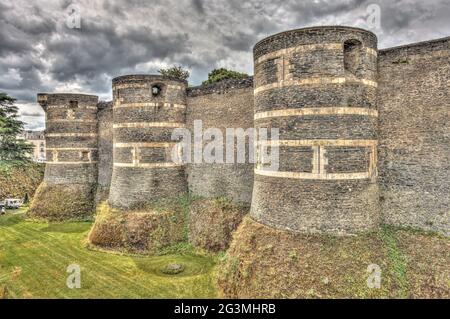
[
  {"x": 34, "y": 258},
  {"x": 263, "y": 262}
]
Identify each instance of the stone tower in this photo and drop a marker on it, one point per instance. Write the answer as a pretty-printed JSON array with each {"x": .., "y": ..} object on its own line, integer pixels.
[
  {"x": 147, "y": 108},
  {"x": 318, "y": 86},
  {"x": 71, "y": 169}
]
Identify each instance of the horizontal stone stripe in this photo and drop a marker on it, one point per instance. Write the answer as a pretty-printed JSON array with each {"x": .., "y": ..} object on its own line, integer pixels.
[
  {"x": 140, "y": 85},
  {"x": 149, "y": 104},
  {"x": 176, "y": 87},
  {"x": 79, "y": 128},
  {"x": 336, "y": 143},
  {"x": 143, "y": 145},
  {"x": 148, "y": 165},
  {"x": 312, "y": 176},
  {"x": 313, "y": 81},
  {"x": 131, "y": 85},
  {"x": 71, "y": 163},
  {"x": 317, "y": 111},
  {"x": 71, "y": 121},
  {"x": 68, "y": 107},
  {"x": 308, "y": 48},
  {"x": 71, "y": 135},
  {"x": 71, "y": 148},
  {"x": 149, "y": 124}
]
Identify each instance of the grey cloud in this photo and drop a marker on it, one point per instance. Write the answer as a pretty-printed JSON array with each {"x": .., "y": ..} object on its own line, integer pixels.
[
  {"x": 198, "y": 6},
  {"x": 40, "y": 53}
]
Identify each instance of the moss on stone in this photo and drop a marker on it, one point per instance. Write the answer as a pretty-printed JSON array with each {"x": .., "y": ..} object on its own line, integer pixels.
[
  {"x": 212, "y": 222},
  {"x": 144, "y": 231},
  {"x": 63, "y": 202},
  {"x": 266, "y": 263}
]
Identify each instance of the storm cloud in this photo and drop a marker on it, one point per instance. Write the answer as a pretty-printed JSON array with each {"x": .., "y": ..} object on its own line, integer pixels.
[{"x": 40, "y": 52}]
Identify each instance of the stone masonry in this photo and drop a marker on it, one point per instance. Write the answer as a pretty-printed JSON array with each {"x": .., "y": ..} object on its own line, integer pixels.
[
  {"x": 146, "y": 110},
  {"x": 71, "y": 170},
  {"x": 364, "y": 135},
  {"x": 318, "y": 86}
]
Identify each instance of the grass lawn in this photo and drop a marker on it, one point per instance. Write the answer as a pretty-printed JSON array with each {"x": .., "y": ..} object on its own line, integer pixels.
[{"x": 34, "y": 258}]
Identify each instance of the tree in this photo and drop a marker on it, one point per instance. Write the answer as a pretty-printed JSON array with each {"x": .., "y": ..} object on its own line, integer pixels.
[
  {"x": 217, "y": 75},
  {"x": 176, "y": 72},
  {"x": 11, "y": 148}
]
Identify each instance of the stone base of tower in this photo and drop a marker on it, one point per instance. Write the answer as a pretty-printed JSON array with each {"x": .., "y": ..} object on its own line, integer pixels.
[
  {"x": 63, "y": 202},
  {"x": 263, "y": 262},
  {"x": 146, "y": 231},
  {"x": 339, "y": 208}
]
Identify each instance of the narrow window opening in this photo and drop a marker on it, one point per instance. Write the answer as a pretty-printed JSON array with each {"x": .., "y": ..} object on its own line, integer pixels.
[
  {"x": 352, "y": 56},
  {"x": 73, "y": 104},
  {"x": 85, "y": 155},
  {"x": 156, "y": 90}
]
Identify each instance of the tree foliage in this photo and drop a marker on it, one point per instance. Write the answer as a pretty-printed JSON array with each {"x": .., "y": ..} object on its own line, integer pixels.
[
  {"x": 217, "y": 75},
  {"x": 11, "y": 148},
  {"x": 176, "y": 72}
]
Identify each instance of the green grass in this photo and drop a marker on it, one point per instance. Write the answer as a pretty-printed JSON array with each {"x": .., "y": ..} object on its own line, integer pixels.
[
  {"x": 397, "y": 261},
  {"x": 34, "y": 258}
]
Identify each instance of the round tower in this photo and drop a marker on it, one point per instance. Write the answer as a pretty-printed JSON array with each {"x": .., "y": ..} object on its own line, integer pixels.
[
  {"x": 318, "y": 87},
  {"x": 71, "y": 150},
  {"x": 147, "y": 108}
]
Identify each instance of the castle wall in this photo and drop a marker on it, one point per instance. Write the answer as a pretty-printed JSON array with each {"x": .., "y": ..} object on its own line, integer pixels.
[
  {"x": 227, "y": 104},
  {"x": 318, "y": 86},
  {"x": 71, "y": 170},
  {"x": 71, "y": 138},
  {"x": 144, "y": 170},
  {"x": 346, "y": 113},
  {"x": 414, "y": 150},
  {"x": 105, "y": 150}
]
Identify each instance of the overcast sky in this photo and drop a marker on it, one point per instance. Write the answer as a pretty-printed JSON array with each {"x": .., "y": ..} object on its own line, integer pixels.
[{"x": 39, "y": 52}]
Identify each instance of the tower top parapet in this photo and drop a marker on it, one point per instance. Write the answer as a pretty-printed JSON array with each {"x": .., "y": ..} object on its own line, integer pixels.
[{"x": 69, "y": 100}]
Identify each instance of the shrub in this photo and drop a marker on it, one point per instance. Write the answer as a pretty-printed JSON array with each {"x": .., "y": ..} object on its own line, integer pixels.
[
  {"x": 223, "y": 74},
  {"x": 176, "y": 72}
]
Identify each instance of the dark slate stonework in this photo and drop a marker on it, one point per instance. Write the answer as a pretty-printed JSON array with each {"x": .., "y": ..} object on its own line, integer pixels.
[
  {"x": 414, "y": 155},
  {"x": 70, "y": 114},
  {"x": 105, "y": 150},
  {"x": 323, "y": 127},
  {"x": 226, "y": 104},
  {"x": 352, "y": 95},
  {"x": 323, "y": 34},
  {"x": 303, "y": 205},
  {"x": 221, "y": 87},
  {"x": 316, "y": 206},
  {"x": 412, "y": 101},
  {"x": 133, "y": 186},
  {"x": 138, "y": 187},
  {"x": 72, "y": 151}
]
